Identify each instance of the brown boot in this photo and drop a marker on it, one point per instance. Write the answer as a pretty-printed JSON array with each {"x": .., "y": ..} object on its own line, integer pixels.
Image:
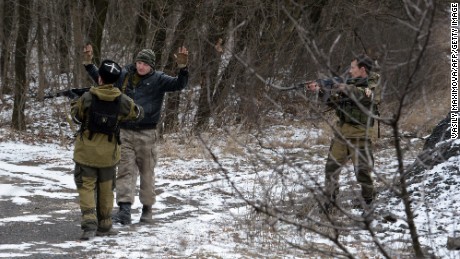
[{"x": 147, "y": 214}]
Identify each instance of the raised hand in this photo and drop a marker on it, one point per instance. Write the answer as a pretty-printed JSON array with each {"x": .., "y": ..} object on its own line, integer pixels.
[
  {"x": 181, "y": 57},
  {"x": 88, "y": 54}
]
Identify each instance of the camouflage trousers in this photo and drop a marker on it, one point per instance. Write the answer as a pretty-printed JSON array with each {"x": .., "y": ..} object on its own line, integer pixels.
[
  {"x": 360, "y": 152},
  {"x": 95, "y": 189},
  {"x": 138, "y": 158}
]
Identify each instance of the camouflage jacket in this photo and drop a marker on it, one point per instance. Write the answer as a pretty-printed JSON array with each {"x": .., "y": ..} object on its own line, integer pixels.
[
  {"x": 98, "y": 151},
  {"x": 354, "y": 106}
]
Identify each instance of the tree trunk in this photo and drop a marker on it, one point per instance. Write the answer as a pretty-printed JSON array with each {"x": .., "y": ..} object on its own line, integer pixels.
[
  {"x": 18, "y": 120},
  {"x": 180, "y": 21},
  {"x": 7, "y": 30},
  {"x": 210, "y": 62},
  {"x": 64, "y": 34},
  {"x": 141, "y": 28},
  {"x": 97, "y": 27},
  {"x": 80, "y": 77},
  {"x": 42, "y": 82}
]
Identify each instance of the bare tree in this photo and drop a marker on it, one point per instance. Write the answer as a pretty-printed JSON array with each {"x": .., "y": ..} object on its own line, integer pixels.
[
  {"x": 79, "y": 40},
  {"x": 142, "y": 24},
  {"x": 21, "y": 82},
  {"x": 96, "y": 28},
  {"x": 208, "y": 64},
  {"x": 42, "y": 82},
  {"x": 64, "y": 34},
  {"x": 181, "y": 19},
  {"x": 8, "y": 9}
]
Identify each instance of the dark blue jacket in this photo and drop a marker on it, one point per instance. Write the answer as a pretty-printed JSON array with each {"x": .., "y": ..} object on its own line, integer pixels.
[{"x": 148, "y": 93}]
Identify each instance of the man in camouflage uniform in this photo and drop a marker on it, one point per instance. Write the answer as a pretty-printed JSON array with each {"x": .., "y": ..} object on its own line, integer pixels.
[
  {"x": 97, "y": 148},
  {"x": 355, "y": 103}
]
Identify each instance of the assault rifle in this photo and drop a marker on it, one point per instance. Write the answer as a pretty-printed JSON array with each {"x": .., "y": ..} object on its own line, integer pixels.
[
  {"x": 71, "y": 94},
  {"x": 328, "y": 86}
]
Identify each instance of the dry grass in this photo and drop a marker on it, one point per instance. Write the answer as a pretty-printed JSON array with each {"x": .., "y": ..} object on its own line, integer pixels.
[
  {"x": 182, "y": 147},
  {"x": 421, "y": 116},
  {"x": 282, "y": 135},
  {"x": 234, "y": 145}
]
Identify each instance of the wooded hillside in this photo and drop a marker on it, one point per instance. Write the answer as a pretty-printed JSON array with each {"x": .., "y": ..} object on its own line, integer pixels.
[{"x": 239, "y": 50}]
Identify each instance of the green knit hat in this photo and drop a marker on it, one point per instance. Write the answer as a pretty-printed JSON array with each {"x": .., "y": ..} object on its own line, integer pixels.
[{"x": 146, "y": 56}]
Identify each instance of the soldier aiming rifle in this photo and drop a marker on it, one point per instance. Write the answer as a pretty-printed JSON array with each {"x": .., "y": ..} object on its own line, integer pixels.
[{"x": 355, "y": 103}]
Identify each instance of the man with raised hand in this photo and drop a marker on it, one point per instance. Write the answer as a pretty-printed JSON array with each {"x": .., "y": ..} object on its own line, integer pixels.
[{"x": 147, "y": 87}]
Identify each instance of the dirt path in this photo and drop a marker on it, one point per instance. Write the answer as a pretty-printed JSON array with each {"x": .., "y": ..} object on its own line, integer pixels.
[{"x": 47, "y": 225}]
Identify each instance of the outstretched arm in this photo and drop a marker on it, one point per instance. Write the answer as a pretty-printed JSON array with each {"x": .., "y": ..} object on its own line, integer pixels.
[
  {"x": 170, "y": 84},
  {"x": 88, "y": 63}
]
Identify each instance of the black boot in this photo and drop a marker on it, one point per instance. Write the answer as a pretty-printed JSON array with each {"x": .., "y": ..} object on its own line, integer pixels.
[
  {"x": 88, "y": 235},
  {"x": 147, "y": 214},
  {"x": 123, "y": 216}
]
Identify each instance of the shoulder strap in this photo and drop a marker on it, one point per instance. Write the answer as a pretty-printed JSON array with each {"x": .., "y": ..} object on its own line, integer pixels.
[{"x": 125, "y": 82}]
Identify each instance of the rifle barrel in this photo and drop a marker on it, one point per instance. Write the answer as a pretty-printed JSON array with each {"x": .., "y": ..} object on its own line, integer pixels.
[{"x": 71, "y": 93}]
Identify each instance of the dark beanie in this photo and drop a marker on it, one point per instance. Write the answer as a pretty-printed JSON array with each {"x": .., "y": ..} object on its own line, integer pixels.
[
  {"x": 146, "y": 56},
  {"x": 109, "y": 71}
]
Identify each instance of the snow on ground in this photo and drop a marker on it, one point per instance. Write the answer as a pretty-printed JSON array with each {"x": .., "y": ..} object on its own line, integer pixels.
[
  {"x": 197, "y": 213},
  {"x": 189, "y": 213}
]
